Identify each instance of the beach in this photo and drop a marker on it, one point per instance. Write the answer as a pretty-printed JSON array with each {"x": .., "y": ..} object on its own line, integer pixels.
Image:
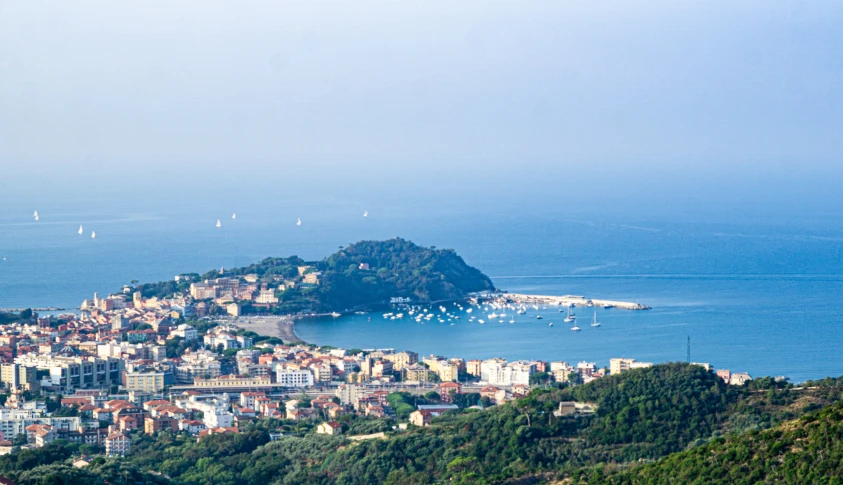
[{"x": 280, "y": 326}]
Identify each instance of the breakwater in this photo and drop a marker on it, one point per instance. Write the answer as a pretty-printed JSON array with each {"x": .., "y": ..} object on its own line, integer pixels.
[{"x": 571, "y": 300}]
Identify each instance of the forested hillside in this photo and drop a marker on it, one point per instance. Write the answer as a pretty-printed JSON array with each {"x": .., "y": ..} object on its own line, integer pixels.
[
  {"x": 362, "y": 274},
  {"x": 805, "y": 451},
  {"x": 645, "y": 414}
]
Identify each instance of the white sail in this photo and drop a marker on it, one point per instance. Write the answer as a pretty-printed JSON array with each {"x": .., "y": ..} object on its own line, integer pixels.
[
  {"x": 234, "y": 216},
  {"x": 36, "y": 215},
  {"x": 219, "y": 224},
  {"x": 365, "y": 213},
  {"x": 93, "y": 234},
  {"x": 80, "y": 230},
  {"x": 298, "y": 222}
]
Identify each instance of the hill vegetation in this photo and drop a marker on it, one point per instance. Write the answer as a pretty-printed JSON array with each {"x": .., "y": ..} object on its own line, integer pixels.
[
  {"x": 363, "y": 274},
  {"x": 678, "y": 417},
  {"x": 807, "y": 450}
]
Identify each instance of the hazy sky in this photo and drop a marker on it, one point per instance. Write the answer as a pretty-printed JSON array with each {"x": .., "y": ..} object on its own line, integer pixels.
[{"x": 146, "y": 91}]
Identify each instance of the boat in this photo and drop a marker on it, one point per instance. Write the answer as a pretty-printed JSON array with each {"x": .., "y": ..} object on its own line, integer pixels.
[
  {"x": 298, "y": 222},
  {"x": 219, "y": 224},
  {"x": 335, "y": 314},
  {"x": 481, "y": 322},
  {"x": 93, "y": 234},
  {"x": 550, "y": 324},
  {"x": 365, "y": 213},
  {"x": 234, "y": 216},
  {"x": 595, "y": 323},
  {"x": 571, "y": 317},
  {"x": 512, "y": 321},
  {"x": 35, "y": 215},
  {"x": 80, "y": 230},
  {"x": 575, "y": 328},
  {"x": 539, "y": 317}
]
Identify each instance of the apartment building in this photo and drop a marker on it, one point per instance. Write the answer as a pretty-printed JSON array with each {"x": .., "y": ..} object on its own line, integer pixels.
[{"x": 618, "y": 365}]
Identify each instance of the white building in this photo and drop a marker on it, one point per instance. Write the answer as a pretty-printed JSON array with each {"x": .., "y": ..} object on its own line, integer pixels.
[
  {"x": 495, "y": 372},
  {"x": 618, "y": 365},
  {"x": 266, "y": 297},
  {"x": 292, "y": 377},
  {"x": 186, "y": 332}
]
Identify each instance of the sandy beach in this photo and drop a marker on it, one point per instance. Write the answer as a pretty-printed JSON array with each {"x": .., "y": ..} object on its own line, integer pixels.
[{"x": 281, "y": 327}]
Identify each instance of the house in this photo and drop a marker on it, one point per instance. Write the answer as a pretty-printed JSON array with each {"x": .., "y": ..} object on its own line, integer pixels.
[
  {"x": 739, "y": 378},
  {"x": 376, "y": 411},
  {"x": 566, "y": 408},
  {"x": 330, "y": 427},
  {"x": 448, "y": 390},
  {"x": 420, "y": 418},
  {"x": 193, "y": 427}
]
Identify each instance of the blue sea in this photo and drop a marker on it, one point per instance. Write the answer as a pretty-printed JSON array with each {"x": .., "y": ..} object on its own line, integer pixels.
[{"x": 756, "y": 294}]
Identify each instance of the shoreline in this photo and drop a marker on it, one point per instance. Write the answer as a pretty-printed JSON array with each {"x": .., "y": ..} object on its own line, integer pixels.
[{"x": 282, "y": 327}]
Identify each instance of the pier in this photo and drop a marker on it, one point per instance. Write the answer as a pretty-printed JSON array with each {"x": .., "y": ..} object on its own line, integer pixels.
[{"x": 570, "y": 300}]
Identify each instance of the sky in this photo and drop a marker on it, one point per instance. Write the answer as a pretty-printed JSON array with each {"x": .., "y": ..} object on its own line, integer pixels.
[{"x": 654, "y": 104}]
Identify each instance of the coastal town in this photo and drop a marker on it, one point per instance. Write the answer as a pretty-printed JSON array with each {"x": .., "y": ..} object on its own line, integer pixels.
[{"x": 125, "y": 365}]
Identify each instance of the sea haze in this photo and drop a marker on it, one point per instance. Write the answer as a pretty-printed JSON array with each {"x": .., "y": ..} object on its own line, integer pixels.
[{"x": 754, "y": 293}]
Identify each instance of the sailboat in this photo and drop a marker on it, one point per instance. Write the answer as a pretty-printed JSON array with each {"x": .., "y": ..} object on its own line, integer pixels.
[
  {"x": 595, "y": 323},
  {"x": 80, "y": 230},
  {"x": 93, "y": 234},
  {"x": 365, "y": 213},
  {"x": 36, "y": 215},
  {"x": 571, "y": 317},
  {"x": 219, "y": 224},
  {"x": 234, "y": 216},
  {"x": 298, "y": 222},
  {"x": 575, "y": 328}
]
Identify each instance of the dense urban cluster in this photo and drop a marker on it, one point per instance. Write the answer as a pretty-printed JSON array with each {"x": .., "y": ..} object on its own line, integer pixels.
[{"x": 128, "y": 364}]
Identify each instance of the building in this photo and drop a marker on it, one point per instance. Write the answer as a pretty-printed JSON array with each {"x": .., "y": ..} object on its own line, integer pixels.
[
  {"x": 472, "y": 367},
  {"x": 161, "y": 423},
  {"x": 70, "y": 373},
  {"x": 16, "y": 376},
  {"x": 401, "y": 360},
  {"x": 449, "y": 389},
  {"x": 197, "y": 364},
  {"x": 330, "y": 427},
  {"x": 495, "y": 372},
  {"x": 293, "y": 378},
  {"x": 739, "y": 378},
  {"x": 618, "y": 365},
  {"x": 349, "y": 393},
  {"x": 420, "y": 418},
  {"x": 724, "y": 374},
  {"x": 186, "y": 332},
  {"x": 266, "y": 297},
  {"x": 250, "y": 399},
  {"x": 416, "y": 373},
  {"x": 152, "y": 382},
  {"x": 117, "y": 444},
  {"x": 203, "y": 291}
]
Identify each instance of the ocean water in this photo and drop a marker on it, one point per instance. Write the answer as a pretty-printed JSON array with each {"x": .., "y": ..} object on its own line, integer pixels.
[{"x": 754, "y": 294}]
